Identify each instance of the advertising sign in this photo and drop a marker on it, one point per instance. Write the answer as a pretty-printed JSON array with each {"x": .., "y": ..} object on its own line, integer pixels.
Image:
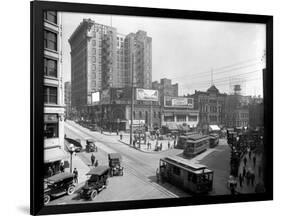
[
  {"x": 179, "y": 102},
  {"x": 137, "y": 122},
  {"x": 147, "y": 94},
  {"x": 95, "y": 97}
]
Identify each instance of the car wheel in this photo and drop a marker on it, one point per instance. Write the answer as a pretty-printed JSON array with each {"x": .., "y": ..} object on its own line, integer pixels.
[
  {"x": 70, "y": 190},
  {"x": 93, "y": 194},
  {"x": 47, "y": 199}
]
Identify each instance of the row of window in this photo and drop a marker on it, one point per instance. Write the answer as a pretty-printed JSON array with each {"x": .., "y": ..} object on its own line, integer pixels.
[
  {"x": 140, "y": 114},
  {"x": 180, "y": 118}
]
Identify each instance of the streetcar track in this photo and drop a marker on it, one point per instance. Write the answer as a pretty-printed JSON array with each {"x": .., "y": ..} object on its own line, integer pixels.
[{"x": 128, "y": 167}]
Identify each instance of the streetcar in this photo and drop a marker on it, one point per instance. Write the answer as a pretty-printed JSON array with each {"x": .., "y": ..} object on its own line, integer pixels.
[
  {"x": 195, "y": 144},
  {"x": 192, "y": 177},
  {"x": 214, "y": 140},
  {"x": 183, "y": 139}
]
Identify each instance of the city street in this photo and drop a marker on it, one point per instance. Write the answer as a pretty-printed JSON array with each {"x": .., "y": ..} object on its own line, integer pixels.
[{"x": 139, "y": 180}]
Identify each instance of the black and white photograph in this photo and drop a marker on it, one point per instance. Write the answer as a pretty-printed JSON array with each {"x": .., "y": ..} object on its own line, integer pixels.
[
  {"x": 140, "y": 108},
  {"x": 136, "y": 108}
]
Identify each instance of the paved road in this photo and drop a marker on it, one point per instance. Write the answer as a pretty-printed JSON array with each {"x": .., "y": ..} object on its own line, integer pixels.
[{"x": 139, "y": 180}]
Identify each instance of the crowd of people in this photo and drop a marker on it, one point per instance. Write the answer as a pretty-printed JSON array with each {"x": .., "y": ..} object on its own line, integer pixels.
[{"x": 246, "y": 168}]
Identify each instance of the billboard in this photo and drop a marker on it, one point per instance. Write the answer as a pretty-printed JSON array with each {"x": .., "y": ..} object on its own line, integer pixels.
[
  {"x": 147, "y": 94},
  {"x": 179, "y": 102},
  {"x": 95, "y": 97}
]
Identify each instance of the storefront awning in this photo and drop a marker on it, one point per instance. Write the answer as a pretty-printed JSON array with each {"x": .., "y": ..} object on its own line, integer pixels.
[
  {"x": 54, "y": 154},
  {"x": 214, "y": 128}
]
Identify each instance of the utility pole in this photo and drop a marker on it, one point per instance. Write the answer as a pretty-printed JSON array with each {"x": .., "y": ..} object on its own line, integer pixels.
[{"x": 132, "y": 100}]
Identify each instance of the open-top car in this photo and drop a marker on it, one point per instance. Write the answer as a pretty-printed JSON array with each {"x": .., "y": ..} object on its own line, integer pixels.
[
  {"x": 57, "y": 185},
  {"x": 114, "y": 160},
  {"x": 75, "y": 142},
  {"x": 91, "y": 146},
  {"x": 98, "y": 180}
]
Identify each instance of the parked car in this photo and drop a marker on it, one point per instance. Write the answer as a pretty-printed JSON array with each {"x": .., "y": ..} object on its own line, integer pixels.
[
  {"x": 91, "y": 146},
  {"x": 97, "y": 181},
  {"x": 114, "y": 160},
  {"x": 57, "y": 185},
  {"x": 93, "y": 127},
  {"x": 76, "y": 143}
]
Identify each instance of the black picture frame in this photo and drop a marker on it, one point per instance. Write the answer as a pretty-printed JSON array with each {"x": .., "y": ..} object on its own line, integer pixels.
[{"x": 36, "y": 112}]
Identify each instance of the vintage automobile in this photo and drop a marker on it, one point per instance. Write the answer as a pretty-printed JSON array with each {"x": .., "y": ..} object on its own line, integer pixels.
[
  {"x": 114, "y": 160},
  {"x": 57, "y": 185},
  {"x": 91, "y": 146},
  {"x": 93, "y": 127},
  {"x": 76, "y": 143},
  {"x": 98, "y": 180}
]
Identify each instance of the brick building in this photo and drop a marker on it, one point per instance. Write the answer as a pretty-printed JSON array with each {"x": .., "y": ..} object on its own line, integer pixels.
[
  {"x": 175, "y": 110},
  {"x": 211, "y": 106}
]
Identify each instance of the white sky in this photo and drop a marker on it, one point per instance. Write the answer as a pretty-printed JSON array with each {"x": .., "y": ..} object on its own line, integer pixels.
[{"x": 186, "y": 51}]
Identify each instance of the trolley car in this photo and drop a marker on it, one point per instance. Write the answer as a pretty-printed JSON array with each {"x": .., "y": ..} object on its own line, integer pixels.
[
  {"x": 181, "y": 144},
  {"x": 192, "y": 177},
  {"x": 214, "y": 140},
  {"x": 195, "y": 144}
]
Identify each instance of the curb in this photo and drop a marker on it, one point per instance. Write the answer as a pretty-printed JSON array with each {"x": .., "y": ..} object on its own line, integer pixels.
[{"x": 113, "y": 134}]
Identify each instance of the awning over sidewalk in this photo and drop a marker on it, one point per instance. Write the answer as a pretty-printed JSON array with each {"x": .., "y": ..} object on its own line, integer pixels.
[
  {"x": 54, "y": 154},
  {"x": 214, "y": 128}
]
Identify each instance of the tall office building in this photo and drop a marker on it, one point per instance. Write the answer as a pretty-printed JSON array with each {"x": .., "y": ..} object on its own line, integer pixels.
[
  {"x": 139, "y": 58},
  {"x": 121, "y": 62},
  {"x": 53, "y": 91},
  {"x": 93, "y": 60},
  {"x": 101, "y": 59}
]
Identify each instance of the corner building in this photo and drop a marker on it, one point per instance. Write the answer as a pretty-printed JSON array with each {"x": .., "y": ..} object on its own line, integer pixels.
[
  {"x": 93, "y": 61},
  {"x": 53, "y": 92},
  {"x": 104, "y": 61}
]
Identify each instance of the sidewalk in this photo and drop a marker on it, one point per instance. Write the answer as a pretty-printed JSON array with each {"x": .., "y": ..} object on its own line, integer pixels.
[
  {"x": 166, "y": 144},
  {"x": 114, "y": 134},
  {"x": 247, "y": 186},
  {"x": 81, "y": 167}
]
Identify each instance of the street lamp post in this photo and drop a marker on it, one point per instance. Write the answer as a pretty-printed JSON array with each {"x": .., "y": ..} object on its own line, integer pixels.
[
  {"x": 132, "y": 101},
  {"x": 71, "y": 150}
]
